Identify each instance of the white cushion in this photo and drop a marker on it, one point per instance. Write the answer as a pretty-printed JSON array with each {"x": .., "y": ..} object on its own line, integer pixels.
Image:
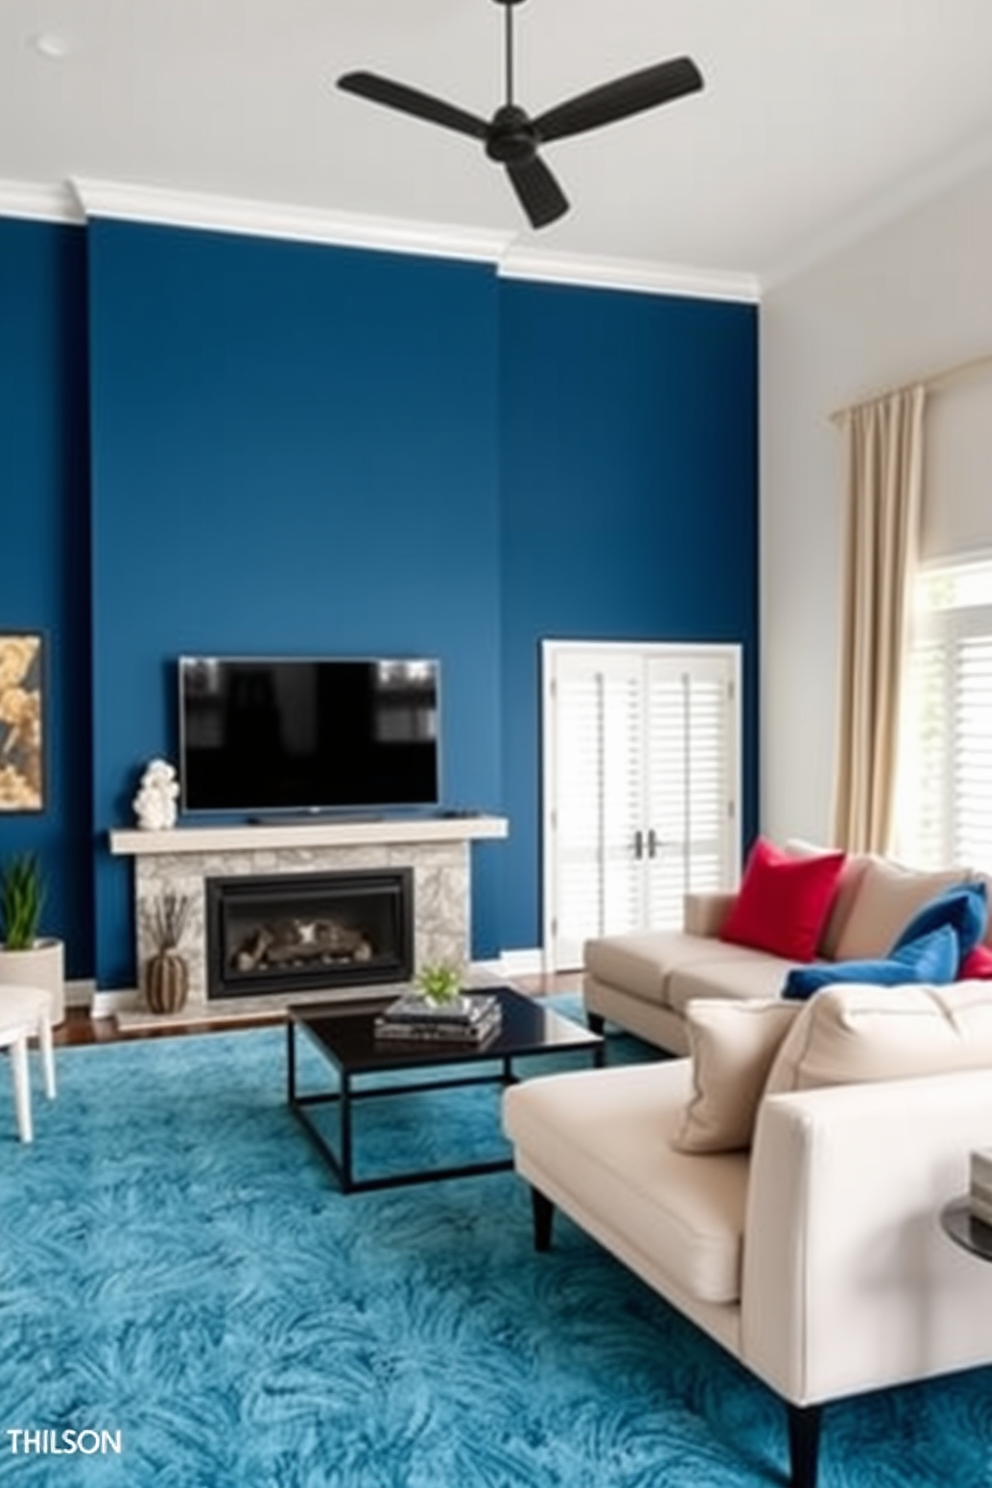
[
  {"x": 853, "y": 1034},
  {"x": 606, "y": 1134},
  {"x": 732, "y": 1046},
  {"x": 888, "y": 896}
]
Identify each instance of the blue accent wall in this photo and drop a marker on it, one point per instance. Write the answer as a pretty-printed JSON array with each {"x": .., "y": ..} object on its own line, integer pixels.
[
  {"x": 215, "y": 443},
  {"x": 630, "y": 508},
  {"x": 294, "y": 452},
  {"x": 44, "y": 550}
]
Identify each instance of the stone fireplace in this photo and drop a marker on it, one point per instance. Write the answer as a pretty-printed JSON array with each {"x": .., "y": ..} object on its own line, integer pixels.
[
  {"x": 430, "y": 856},
  {"x": 308, "y": 932}
]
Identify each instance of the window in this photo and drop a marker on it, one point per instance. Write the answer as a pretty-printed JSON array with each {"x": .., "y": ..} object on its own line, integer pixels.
[{"x": 945, "y": 797}]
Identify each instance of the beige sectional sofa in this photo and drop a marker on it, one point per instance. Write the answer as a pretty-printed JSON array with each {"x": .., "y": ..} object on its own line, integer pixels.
[
  {"x": 814, "y": 1255},
  {"x": 644, "y": 982}
]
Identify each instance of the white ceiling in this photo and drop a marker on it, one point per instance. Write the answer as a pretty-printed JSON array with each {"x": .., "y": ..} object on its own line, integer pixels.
[{"x": 816, "y": 118}]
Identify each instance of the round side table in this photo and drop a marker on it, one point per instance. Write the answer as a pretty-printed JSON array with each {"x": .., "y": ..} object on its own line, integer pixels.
[{"x": 973, "y": 1235}]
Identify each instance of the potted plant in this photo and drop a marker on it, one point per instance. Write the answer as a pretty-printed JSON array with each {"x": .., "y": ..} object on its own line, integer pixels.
[
  {"x": 166, "y": 971},
  {"x": 27, "y": 958},
  {"x": 439, "y": 984}
]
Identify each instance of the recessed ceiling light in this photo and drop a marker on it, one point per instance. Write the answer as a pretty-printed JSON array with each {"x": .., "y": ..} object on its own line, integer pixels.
[{"x": 51, "y": 45}]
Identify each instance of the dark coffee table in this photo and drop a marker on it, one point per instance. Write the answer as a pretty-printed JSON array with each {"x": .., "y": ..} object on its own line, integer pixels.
[{"x": 345, "y": 1036}]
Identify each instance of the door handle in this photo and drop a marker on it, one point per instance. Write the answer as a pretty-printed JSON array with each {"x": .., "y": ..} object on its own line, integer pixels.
[
  {"x": 652, "y": 843},
  {"x": 638, "y": 844}
]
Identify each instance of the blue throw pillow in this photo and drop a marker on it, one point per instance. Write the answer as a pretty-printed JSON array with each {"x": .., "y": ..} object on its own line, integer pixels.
[
  {"x": 963, "y": 907},
  {"x": 931, "y": 958}
]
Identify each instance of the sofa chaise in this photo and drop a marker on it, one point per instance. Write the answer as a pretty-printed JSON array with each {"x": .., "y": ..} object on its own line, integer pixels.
[{"x": 805, "y": 1238}]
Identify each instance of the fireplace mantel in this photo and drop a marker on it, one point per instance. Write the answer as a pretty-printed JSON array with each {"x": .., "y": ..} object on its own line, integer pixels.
[{"x": 343, "y": 832}]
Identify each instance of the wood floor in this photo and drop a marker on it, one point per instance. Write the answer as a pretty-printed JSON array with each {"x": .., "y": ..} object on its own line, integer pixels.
[{"x": 80, "y": 1028}]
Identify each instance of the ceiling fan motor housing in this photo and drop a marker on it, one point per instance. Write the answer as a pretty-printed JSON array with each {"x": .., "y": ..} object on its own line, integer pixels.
[{"x": 511, "y": 138}]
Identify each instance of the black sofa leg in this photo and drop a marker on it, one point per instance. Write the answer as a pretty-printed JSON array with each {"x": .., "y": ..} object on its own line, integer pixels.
[
  {"x": 804, "y": 1444},
  {"x": 544, "y": 1213},
  {"x": 596, "y": 1022}
]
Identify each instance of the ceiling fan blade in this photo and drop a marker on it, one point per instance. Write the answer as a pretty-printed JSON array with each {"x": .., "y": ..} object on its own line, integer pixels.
[
  {"x": 539, "y": 193},
  {"x": 637, "y": 91},
  {"x": 383, "y": 90}
]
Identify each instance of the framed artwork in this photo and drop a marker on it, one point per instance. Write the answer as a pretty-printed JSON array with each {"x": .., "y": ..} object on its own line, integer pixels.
[{"x": 22, "y": 721}]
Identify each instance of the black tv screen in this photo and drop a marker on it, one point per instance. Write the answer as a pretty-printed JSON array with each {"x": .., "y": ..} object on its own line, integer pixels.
[{"x": 292, "y": 734}]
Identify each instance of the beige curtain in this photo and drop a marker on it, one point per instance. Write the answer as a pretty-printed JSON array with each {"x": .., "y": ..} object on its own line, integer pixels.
[{"x": 884, "y": 473}]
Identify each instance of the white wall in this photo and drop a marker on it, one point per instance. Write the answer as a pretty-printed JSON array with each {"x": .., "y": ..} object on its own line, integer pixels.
[{"x": 907, "y": 301}]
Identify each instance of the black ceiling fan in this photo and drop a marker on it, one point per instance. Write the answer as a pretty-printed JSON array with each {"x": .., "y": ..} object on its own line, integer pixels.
[{"x": 513, "y": 139}]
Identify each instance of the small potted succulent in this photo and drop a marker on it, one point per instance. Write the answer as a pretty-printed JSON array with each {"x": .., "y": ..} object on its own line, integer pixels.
[
  {"x": 439, "y": 984},
  {"x": 28, "y": 958}
]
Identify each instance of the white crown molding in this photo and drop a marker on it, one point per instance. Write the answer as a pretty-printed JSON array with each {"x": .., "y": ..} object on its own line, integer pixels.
[
  {"x": 632, "y": 274},
  {"x": 132, "y": 203},
  {"x": 84, "y": 198},
  {"x": 922, "y": 187},
  {"x": 228, "y": 214},
  {"x": 39, "y": 203}
]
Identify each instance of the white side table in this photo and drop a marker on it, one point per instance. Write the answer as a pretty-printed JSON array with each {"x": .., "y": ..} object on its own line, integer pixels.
[{"x": 25, "y": 1013}]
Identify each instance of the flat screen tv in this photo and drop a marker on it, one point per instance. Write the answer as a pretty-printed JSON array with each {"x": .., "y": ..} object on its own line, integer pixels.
[{"x": 298, "y": 735}]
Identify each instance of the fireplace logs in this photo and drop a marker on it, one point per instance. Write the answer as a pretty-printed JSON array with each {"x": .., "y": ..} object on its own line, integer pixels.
[{"x": 301, "y": 943}]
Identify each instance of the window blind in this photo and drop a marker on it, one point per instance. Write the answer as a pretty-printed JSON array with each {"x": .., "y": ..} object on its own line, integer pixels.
[{"x": 946, "y": 792}]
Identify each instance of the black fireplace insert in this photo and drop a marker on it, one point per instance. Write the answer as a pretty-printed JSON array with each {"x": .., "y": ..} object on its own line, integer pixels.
[{"x": 308, "y": 931}]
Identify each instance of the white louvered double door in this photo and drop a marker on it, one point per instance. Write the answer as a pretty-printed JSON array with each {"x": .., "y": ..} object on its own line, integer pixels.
[{"x": 641, "y": 786}]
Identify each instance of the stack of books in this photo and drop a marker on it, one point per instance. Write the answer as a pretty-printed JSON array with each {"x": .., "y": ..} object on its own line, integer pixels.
[
  {"x": 466, "y": 1020},
  {"x": 980, "y": 1192}
]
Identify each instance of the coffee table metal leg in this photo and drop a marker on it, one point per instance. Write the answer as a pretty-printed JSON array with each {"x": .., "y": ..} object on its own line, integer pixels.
[
  {"x": 300, "y": 1104},
  {"x": 347, "y": 1178}
]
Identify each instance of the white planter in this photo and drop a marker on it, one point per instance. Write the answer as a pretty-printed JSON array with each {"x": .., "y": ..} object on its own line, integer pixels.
[{"x": 41, "y": 966}]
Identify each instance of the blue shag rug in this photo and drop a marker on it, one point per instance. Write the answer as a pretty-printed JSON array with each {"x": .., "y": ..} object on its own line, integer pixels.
[{"x": 177, "y": 1266}]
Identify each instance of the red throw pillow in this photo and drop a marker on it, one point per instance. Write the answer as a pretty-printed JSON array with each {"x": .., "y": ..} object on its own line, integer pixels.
[
  {"x": 977, "y": 965},
  {"x": 783, "y": 901}
]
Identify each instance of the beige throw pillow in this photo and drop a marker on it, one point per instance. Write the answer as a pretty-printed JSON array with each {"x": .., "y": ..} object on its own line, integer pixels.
[
  {"x": 733, "y": 1046},
  {"x": 887, "y": 897},
  {"x": 856, "y": 1034},
  {"x": 847, "y": 891}
]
